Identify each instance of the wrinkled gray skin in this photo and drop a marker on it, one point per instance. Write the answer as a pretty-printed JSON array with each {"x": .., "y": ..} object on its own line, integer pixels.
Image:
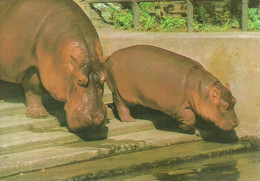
[
  {"x": 171, "y": 83},
  {"x": 55, "y": 43}
]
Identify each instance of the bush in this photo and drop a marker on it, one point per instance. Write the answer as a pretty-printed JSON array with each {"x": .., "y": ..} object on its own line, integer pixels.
[
  {"x": 151, "y": 20},
  {"x": 207, "y": 17},
  {"x": 122, "y": 19},
  {"x": 253, "y": 19}
]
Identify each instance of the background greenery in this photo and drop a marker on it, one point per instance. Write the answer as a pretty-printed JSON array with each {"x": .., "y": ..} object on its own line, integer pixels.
[{"x": 207, "y": 17}]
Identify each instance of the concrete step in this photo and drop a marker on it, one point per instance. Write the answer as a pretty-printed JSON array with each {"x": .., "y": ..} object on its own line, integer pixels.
[
  {"x": 116, "y": 127},
  {"x": 43, "y": 152},
  {"x": 8, "y": 107},
  {"x": 19, "y": 122},
  {"x": 109, "y": 166},
  {"x": 21, "y": 132},
  {"x": 44, "y": 158},
  {"x": 157, "y": 138},
  {"x": 28, "y": 140}
]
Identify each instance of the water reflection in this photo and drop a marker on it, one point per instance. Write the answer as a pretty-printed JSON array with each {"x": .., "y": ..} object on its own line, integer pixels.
[
  {"x": 226, "y": 172},
  {"x": 233, "y": 167}
]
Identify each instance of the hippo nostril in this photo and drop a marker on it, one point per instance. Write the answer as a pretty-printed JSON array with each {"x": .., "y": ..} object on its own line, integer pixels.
[{"x": 99, "y": 118}]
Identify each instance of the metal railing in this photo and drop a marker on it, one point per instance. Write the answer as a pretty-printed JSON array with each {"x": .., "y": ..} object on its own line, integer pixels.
[{"x": 136, "y": 10}]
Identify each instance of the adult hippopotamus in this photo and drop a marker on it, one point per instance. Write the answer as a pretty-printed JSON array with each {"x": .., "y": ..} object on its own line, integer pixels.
[
  {"x": 54, "y": 42},
  {"x": 166, "y": 81}
]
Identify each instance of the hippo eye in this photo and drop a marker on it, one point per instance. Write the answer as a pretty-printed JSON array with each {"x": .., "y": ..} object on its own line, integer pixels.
[
  {"x": 82, "y": 80},
  {"x": 224, "y": 106}
]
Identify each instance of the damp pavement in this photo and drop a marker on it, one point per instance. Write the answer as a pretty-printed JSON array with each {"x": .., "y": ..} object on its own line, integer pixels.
[{"x": 44, "y": 149}]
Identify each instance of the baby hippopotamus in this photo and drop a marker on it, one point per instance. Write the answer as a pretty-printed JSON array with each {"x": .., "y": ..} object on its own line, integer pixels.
[{"x": 171, "y": 83}]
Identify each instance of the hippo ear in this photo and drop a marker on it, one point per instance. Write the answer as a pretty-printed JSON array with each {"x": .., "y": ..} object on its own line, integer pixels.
[
  {"x": 215, "y": 93},
  {"x": 104, "y": 59},
  {"x": 234, "y": 100},
  {"x": 99, "y": 53},
  {"x": 228, "y": 86}
]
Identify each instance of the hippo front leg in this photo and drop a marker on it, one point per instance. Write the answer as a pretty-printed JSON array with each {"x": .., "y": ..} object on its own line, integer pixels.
[
  {"x": 123, "y": 111},
  {"x": 187, "y": 120},
  {"x": 31, "y": 86}
]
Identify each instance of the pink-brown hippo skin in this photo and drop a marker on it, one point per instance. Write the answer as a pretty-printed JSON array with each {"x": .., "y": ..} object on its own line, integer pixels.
[
  {"x": 171, "y": 83},
  {"x": 55, "y": 43}
]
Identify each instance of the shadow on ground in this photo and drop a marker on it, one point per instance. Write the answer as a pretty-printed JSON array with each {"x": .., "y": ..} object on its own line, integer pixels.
[
  {"x": 13, "y": 93},
  {"x": 208, "y": 131}
]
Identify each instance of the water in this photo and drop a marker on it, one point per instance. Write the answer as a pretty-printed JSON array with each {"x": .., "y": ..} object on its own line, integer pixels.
[{"x": 236, "y": 167}]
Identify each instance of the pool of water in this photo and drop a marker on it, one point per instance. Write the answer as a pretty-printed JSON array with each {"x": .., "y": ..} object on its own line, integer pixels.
[{"x": 236, "y": 167}]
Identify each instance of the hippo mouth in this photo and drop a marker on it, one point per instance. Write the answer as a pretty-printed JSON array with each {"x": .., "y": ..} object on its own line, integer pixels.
[{"x": 80, "y": 120}]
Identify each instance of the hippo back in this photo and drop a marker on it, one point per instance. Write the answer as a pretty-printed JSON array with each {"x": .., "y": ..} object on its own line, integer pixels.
[
  {"x": 156, "y": 78},
  {"x": 21, "y": 23}
]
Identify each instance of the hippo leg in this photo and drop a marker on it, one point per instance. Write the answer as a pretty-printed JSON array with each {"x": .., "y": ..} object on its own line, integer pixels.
[
  {"x": 123, "y": 111},
  {"x": 31, "y": 86},
  {"x": 187, "y": 119}
]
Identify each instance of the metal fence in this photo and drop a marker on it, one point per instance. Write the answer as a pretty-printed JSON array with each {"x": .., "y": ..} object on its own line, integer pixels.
[{"x": 136, "y": 10}]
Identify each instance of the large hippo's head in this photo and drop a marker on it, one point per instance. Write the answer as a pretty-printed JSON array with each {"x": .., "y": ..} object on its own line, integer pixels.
[
  {"x": 218, "y": 107},
  {"x": 76, "y": 76}
]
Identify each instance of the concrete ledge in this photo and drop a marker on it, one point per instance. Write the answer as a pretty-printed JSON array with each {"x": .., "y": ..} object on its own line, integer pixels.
[
  {"x": 132, "y": 162},
  {"x": 47, "y": 153},
  {"x": 27, "y": 140},
  {"x": 18, "y": 122},
  {"x": 6, "y": 107}
]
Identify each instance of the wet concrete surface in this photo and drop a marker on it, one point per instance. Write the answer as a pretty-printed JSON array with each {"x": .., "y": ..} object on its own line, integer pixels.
[
  {"x": 133, "y": 162},
  {"x": 231, "y": 167}
]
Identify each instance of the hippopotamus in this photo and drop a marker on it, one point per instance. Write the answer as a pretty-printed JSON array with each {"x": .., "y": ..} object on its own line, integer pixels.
[
  {"x": 171, "y": 83},
  {"x": 53, "y": 43}
]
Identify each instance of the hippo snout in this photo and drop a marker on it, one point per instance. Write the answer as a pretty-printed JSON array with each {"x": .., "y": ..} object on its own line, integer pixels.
[
  {"x": 227, "y": 125},
  {"x": 82, "y": 118},
  {"x": 99, "y": 119}
]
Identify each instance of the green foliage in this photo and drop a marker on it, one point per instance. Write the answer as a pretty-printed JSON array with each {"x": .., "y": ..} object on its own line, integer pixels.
[
  {"x": 122, "y": 19},
  {"x": 206, "y": 18},
  {"x": 170, "y": 24},
  {"x": 254, "y": 19},
  {"x": 215, "y": 19},
  {"x": 201, "y": 15},
  {"x": 150, "y": 19}
]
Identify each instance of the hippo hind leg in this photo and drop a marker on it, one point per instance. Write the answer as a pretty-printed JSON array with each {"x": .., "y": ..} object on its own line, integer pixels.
[
  {"x": 31, "y": 86},
  {"x": 123, "y": 111}
]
